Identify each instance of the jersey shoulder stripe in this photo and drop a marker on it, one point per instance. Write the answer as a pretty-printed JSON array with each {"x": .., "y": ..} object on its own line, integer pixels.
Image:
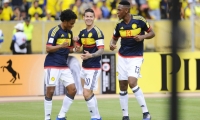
[
  {"x": 98, "y": 32},
  {"x": 138, "y": 17},
  {"x": 53, "y": 33}
]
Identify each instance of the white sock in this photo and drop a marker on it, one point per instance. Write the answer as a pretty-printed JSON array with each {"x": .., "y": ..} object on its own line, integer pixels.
[
  {"x": 96, "y": 104},
  {"x": 140, "y": 98},
  {"x": 47, "y": 108},
  {"x": 92, "y": 107},
  {"x": 124, "y": 102},
  {"x": 67, "y": 101}
]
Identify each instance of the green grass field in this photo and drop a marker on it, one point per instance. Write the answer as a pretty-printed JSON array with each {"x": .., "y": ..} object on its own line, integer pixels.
[{"x": 109, "y": 109}]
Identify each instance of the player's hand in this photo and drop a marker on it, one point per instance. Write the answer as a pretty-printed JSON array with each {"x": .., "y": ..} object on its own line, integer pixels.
[
  {"x": 86, "y": 56},
  {"x": 75, "y": 39},
  {"x": 77, "y": 48},
  {"x": 138, "y": 38},
  {"x": 112, "y": 47},
  {"x": 65, "y": 45}
]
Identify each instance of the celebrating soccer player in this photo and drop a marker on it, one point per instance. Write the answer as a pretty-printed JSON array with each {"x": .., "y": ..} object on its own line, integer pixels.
[
  {"x": 58, "y": 46},
  {"x": 92, "y": 40},
  {"x": 131, "y": 29}
]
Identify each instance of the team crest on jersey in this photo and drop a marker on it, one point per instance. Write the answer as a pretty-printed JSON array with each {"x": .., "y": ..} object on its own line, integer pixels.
[
  {"x": 134, "y": 26},
  {"x": 90, "y": 35},
  {"x": 52, "y": 79},
  {"x": 122, "y": 28},
  {"x": 62, "y": 35},
  {"x": 69, "y": 35},
  {"x": 83, "y": 35}
]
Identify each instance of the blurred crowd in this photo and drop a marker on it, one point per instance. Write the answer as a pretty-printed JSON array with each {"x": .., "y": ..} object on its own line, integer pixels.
[{"x": 49, "y": 10}]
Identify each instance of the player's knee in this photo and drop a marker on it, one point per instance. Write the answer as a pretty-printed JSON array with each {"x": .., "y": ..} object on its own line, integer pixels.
[
  {"x": 50, "y": 92},
  {"x": 123, "y": 87},
  {"x": 132, "y": 82},
  {"x": 72, "y": 91},
  {"x": 87, "y": 93}
]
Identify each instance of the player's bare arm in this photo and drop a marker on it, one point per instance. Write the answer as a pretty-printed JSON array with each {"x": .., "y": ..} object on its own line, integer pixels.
[
  {"x": 99, "y": 52},
  {"x": 50, "y": 48},
  {"x": 113, "y": 44},
  {"x": 149, "y": 35},
  {"x": 88, "y": 55}
]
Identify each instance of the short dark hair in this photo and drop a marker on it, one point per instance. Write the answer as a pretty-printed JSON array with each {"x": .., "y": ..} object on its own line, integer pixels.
[
  {"x": 67, "y": 15},
  {"x": 124, "y": 2},
  {"x": 89, "y": 10}
]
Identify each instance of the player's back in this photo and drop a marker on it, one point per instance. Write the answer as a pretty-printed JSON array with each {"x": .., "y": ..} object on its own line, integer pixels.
[{"x": 58, "y": 36}]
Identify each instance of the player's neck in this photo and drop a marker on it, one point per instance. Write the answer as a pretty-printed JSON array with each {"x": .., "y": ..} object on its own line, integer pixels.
[
  {"x": 89, "y": 27},
  {"x": 127, "y": 18},
  {"x": 61, "y": 25}
]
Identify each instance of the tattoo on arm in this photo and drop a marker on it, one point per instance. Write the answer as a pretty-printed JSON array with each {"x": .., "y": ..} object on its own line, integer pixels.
[{"x": 98, "y": 53}]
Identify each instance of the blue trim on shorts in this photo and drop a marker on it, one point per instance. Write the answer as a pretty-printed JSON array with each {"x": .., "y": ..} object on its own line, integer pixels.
[{"x": 94, "y": 80}]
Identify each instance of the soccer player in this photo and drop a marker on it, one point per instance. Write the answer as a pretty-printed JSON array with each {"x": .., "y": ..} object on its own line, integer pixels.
[
  {"x": 59, "y": 45},
  {"x": 92, "y": 40},
  {"x": 131, "y": 29}
]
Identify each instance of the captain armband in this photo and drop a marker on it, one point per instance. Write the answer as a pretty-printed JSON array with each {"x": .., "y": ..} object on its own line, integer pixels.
[{"x": 100, "y": 42}]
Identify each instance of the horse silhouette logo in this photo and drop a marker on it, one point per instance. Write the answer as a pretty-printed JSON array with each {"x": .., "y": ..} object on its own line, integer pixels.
[{"x": 11, "y": 70}]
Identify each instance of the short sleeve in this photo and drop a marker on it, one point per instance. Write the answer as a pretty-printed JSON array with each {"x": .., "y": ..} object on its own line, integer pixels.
[
  {"x": 99, "y": 38},
  {"x": 145, "y": 25},
  {"x": 52, "y": 37}
]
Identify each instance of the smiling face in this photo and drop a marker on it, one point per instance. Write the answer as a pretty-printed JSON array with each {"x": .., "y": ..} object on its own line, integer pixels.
[
  {"x": 122, "y": 11},
  {"x": 89, "y": 18},
  {"x": 68, "y": 24}
]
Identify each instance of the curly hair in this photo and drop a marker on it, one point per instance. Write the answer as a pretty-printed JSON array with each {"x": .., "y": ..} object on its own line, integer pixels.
[{"x": 67, "y": 15}]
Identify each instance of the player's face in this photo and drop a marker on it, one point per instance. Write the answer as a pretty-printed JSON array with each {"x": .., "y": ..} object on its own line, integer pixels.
[
  {"x": 121, "y": 12},
  {"x": 89, "y": 18},
  {"x": 69, "y": 24}
]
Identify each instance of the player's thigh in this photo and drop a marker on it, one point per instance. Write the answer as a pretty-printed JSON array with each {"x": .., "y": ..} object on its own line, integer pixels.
[
  {"x": 91, "y": 79},
  {"x": 66, "y": 77},
  {"x": 121, "y": 68},
  {"x": 51, "y": 76},
  {"x": 134, "y": 67}
]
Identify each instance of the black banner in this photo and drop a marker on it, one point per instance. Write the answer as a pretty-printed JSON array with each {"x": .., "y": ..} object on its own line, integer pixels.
[{"x": 108, "y": 74}]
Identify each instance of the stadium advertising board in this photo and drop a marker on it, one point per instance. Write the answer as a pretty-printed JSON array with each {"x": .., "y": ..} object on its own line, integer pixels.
[
  {"x": 156, "y": 72},
  {"x": 23, "y": 75}
]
